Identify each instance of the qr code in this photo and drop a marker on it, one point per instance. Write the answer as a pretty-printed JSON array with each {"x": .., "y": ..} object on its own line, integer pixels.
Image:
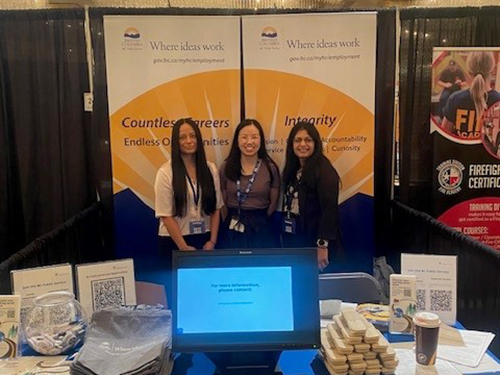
[
  {"x": 420, "y": 299},
  {"x": 108, "y": 293},
  {"x": 441, "y": 300},
  {"x": 61, "y": 314},
  {"x": 24, "y": 313}
]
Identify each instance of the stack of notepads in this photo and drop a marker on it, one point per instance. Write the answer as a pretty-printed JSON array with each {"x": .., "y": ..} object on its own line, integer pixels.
[
  {"x": 126, "y": 341},
  {"x": 352, "y": 345}
]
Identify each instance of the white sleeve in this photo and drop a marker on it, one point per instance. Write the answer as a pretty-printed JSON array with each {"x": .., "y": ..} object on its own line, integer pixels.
[
  {"x": 218, "y": 195},
  {"x": 164, "y": 194}
]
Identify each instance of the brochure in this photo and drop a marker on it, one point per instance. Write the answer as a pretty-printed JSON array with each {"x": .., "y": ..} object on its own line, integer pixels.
[
  {"x": 403, "y": 303},
  {"x": 10, "y": 318},
  {"x": 35, "y": 365}
]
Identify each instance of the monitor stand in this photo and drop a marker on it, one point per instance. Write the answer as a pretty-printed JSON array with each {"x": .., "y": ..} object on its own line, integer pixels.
[{"x": 243, "y": 363}]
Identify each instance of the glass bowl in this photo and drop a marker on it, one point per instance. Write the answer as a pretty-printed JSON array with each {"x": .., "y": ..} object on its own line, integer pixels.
[{"x": 55, "y": 324}]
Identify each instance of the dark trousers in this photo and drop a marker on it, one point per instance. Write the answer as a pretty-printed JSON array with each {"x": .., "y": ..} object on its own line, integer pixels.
[
  {"x": 166, "y": 246},
  {"x": 258, "y": 232}
]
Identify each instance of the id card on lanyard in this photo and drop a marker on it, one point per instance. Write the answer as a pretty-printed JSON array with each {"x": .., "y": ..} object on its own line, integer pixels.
[
  {"x": 196, "y": 226},
  {"x": 235, "y": 223},
  {"x": 289, "y": 222},
  {"x": 289, "y": 225}
]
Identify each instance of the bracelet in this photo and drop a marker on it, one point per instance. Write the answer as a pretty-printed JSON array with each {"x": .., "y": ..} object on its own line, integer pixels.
[{"x": 212, "y": 242}]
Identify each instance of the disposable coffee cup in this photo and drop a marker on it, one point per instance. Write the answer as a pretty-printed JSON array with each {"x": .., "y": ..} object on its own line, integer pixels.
[{"x": 426, "y": 337}]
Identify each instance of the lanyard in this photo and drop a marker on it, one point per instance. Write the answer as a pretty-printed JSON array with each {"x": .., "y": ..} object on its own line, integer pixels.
[
  {"x": 196, "y": 192},
  {"x": 242, "y": 196},
  {"x": 290, "y": 192}
]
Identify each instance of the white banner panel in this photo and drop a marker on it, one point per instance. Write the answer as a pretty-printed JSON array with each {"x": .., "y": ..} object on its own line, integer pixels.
[
  {"x": 160, "y": 69},
  {"x": 319, "y": 68}
]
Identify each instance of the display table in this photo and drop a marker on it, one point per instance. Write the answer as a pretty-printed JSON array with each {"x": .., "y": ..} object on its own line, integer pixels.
[
  {"x": 291, "y": 362},
  {"x": 303, "y": 362}
]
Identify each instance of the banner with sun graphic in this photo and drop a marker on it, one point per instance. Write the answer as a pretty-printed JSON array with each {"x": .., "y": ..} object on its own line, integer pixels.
[
  {"x": 161, "y": 69},
  {"x": 465, "y": 128},
  {"x": 319, "y": 68}
]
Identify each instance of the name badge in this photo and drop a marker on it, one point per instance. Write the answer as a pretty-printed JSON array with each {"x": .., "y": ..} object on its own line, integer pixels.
[
  {"x": 197, "y": 227},
  {"x": 236, "y": 225},
  {"x": 289, "y": 225}
]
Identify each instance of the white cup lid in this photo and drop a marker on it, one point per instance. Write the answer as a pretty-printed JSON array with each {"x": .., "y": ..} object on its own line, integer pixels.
[{"x": 426, "y": 319}]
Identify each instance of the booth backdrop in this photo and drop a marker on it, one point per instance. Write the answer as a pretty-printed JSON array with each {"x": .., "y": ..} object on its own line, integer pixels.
[{"x": 173, "y": 74}]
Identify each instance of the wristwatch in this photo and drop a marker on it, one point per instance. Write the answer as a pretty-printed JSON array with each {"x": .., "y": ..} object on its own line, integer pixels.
[{"x": 322, "y": 243}]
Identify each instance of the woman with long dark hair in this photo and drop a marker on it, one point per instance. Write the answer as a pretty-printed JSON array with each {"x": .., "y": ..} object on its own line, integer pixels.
[
  {"x": 187, "y": 195},
  {"x": 250, "y": 184},
  {"x": 310, "y": 202}
]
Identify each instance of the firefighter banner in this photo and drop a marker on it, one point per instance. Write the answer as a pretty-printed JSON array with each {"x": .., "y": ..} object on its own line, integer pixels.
[{"x": 465, "y": 126}]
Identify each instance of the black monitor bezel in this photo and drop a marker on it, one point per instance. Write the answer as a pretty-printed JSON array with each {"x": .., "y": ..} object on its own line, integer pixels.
[{"x": 176, "y": 255}]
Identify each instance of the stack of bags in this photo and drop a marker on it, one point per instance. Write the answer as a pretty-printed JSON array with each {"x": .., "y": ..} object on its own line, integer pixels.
[
  {"x": 352, "y": 345},
  {"x": 126, "y": 341}
]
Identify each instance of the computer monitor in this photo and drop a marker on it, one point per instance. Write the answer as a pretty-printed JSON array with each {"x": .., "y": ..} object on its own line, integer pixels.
[{"x": 245, "y": 300}]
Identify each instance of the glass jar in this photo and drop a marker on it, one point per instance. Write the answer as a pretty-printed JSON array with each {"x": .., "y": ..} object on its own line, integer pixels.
[{"x": 55, "y": 324}]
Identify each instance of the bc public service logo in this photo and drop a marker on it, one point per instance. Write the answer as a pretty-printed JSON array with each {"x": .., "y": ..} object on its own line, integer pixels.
[
  {"x": 269, "y": 38},
  {"x": 269, "y": 32},
  {"x": 132, "y": 40},
  {"x": 450, "y": 176},
  {"x": 132, "y": 33}
]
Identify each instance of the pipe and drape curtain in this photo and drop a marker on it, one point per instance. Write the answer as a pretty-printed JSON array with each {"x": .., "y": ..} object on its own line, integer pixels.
[
  {"x": 384, "y": 124},
  {"x": 45, "y": 135},
  {"x": 78, "y": 240},
  {"x": 478, "y": 281},
  {"x": 413, "y": 231}
]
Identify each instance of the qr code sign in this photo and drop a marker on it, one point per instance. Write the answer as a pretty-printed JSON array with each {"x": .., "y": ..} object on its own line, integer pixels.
[
  {"x": 108, "y": 293},
  {"x": 441, "y": 300},
  {"x": 420, "y": 299}
]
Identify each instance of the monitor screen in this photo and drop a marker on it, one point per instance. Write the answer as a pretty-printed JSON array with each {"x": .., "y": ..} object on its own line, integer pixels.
[{"x": 242, "y": 300}]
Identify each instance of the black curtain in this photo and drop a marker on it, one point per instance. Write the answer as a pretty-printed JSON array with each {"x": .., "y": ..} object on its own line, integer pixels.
[
  {"x": 78, "y": 240},
  {"x": 45, "y": 145},
  {"x": 384, "y": 125},
  {"x": 478, "y": 282},
  {"x": 421, "y": 30},
  {"x": 12, "y": 235}
]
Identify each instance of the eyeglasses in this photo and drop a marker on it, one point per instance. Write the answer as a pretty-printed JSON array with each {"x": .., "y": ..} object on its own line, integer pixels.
[{"x": 307, "y": 140}]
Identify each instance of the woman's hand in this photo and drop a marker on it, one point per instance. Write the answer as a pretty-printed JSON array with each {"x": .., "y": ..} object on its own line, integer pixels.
[
  {"x": 322, "y": 258},
  {"x": 209, "y": 245},
  {"x": 187, "y": 248}
]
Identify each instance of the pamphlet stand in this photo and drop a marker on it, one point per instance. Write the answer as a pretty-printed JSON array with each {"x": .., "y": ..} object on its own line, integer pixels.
[{"x": 241, "y": 363}]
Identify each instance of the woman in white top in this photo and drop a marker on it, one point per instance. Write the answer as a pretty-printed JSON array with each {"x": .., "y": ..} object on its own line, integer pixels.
[{"x": 187, "y": 196}]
